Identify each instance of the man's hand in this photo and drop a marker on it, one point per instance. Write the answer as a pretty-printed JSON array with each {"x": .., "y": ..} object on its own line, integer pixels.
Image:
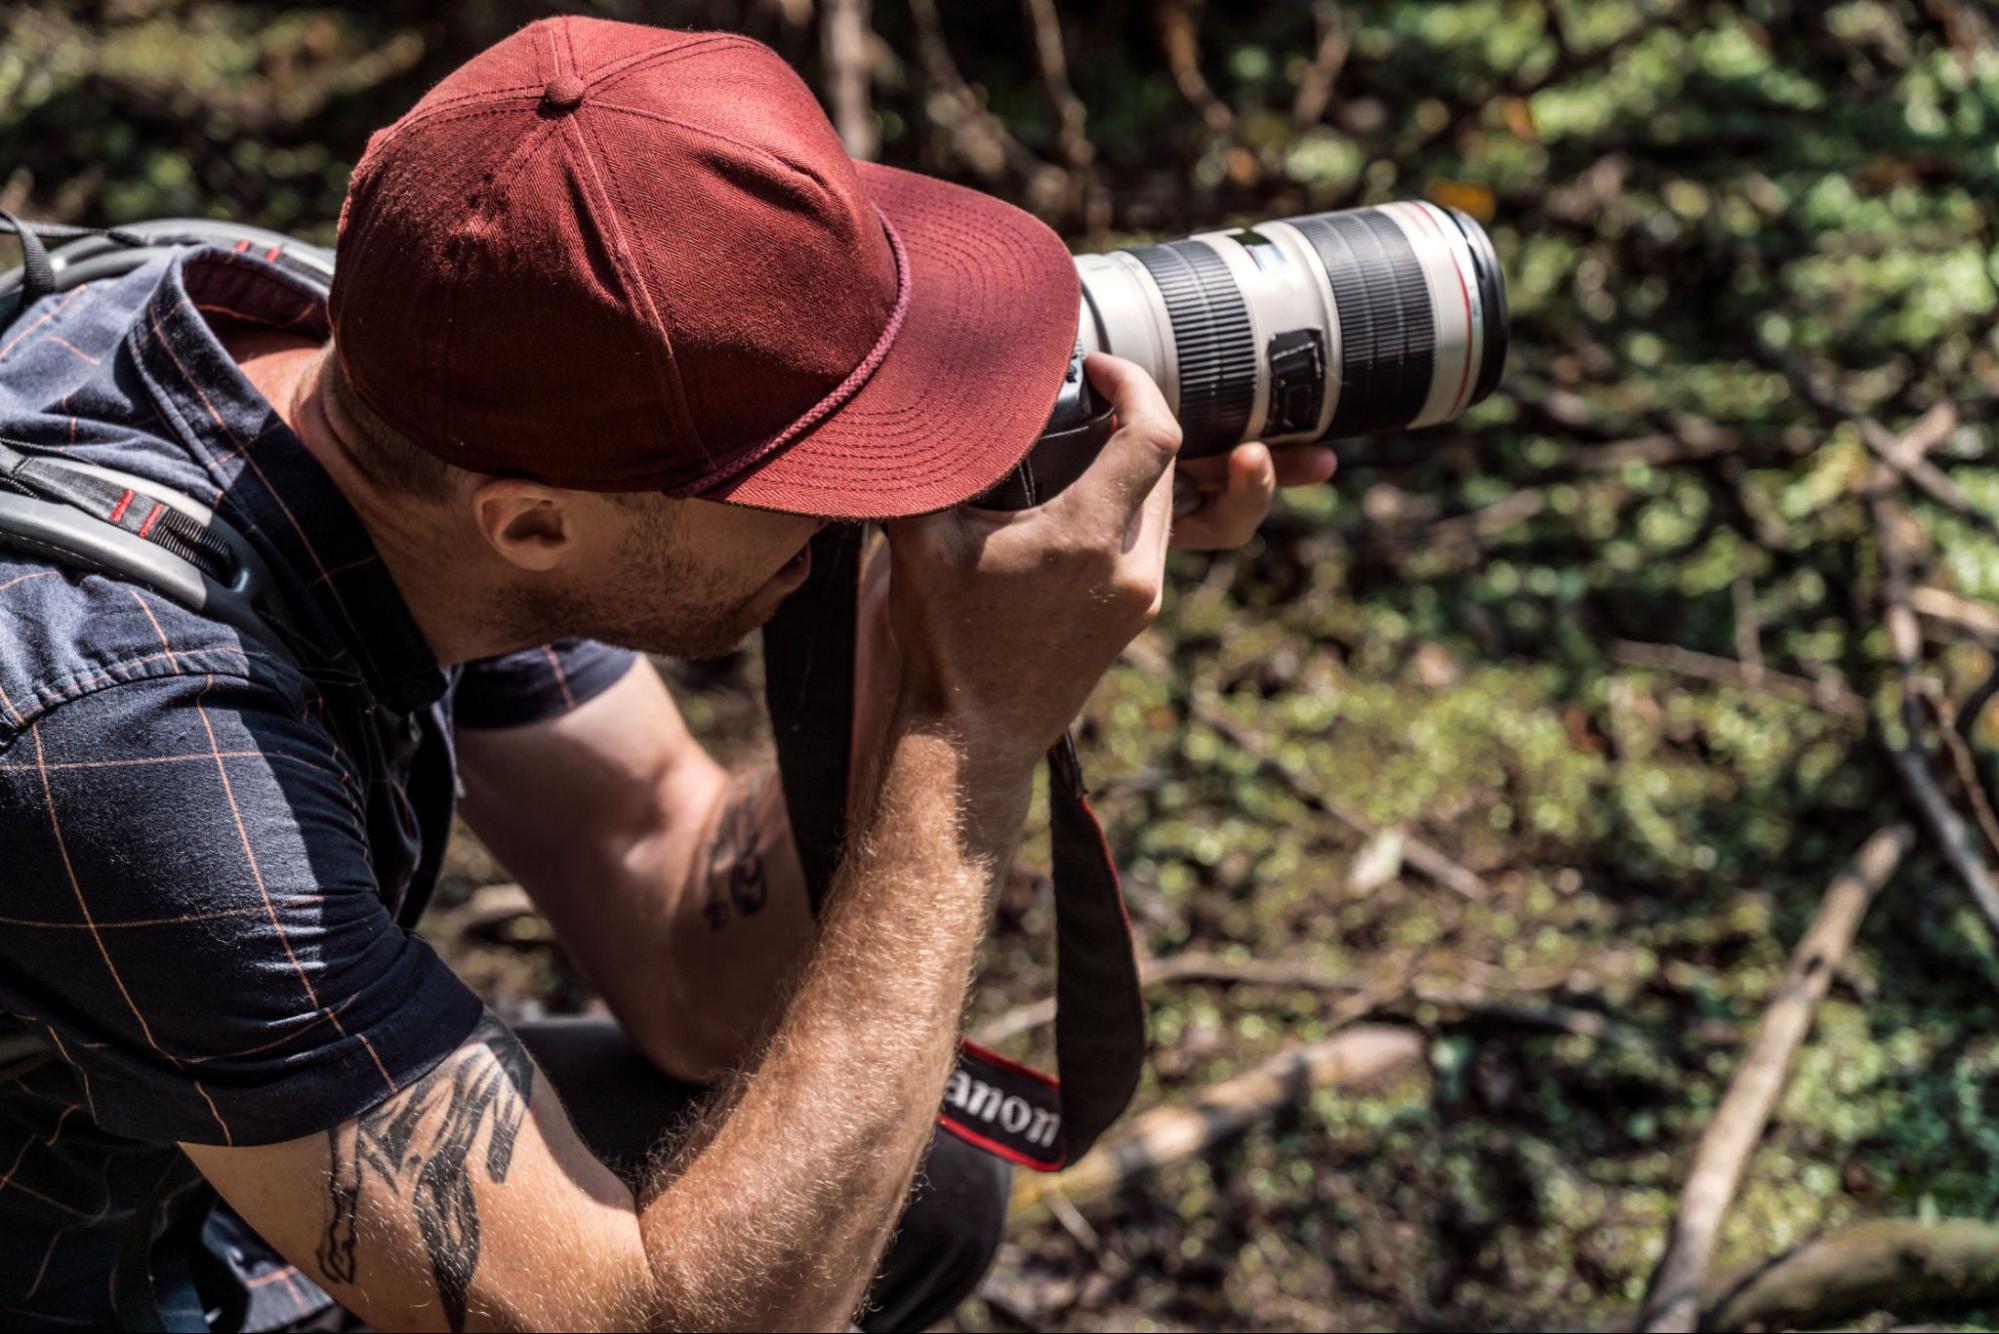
[
  {"x": 1236, "y": 489},
  {"x": 1004, "y": 621}
]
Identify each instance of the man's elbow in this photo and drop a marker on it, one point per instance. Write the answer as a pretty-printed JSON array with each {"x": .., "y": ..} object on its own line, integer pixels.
[{"x": 691, "y": 1046}]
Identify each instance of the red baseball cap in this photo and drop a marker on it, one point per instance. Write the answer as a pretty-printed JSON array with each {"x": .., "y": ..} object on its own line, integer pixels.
[{"x": 623, "y": 258}]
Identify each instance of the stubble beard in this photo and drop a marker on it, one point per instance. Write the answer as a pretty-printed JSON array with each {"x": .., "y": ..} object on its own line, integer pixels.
[{"x": 651, "y": 604}]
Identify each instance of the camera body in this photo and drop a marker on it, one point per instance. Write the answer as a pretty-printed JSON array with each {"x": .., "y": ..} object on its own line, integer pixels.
[{"x": 1321, "y": 327}]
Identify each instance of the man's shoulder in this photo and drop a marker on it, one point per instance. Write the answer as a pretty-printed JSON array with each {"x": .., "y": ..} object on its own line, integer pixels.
[{"x": 67, "y": 633}]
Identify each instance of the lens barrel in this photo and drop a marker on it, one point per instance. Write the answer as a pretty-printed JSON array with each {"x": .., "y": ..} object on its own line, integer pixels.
[
  {"x": 1213, "y": 337},
  {"x": 1312, "y": 328}
]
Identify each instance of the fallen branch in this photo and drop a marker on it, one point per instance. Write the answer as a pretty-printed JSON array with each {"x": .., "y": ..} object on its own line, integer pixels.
[
  {"x": 1425, "y": 858},
  {"x": 1827, "y": 695},
  {"x": 1952, "y": 735},
  {"x": 1174, "y": 1133},
  {"x": 1903, "y": 454},
  {"x": 1907, "y": 754},
  {"x": 1953, "y": 612},
  {"x": 1952, "y": 616},
  {"x": 1974, "y": 704},
  {"x": 1892, "y": 1263},
  {"x": 1551, "y": 1018},
  {"x": 1959, "y": 848},
  {"x": 1486, "y": 521},
  {"x": 1191, "y": 966},
  {"x": 1674, "y": 1301}
]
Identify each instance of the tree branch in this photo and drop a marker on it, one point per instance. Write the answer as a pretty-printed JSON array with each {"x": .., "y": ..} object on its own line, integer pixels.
[
  {"x": 1415, "y": 852},
  {"x": 1825, "y": 695},
  {"x": 1315, "y": 90},
  {"x": 844, "y": 41},
  {"x": 1180, "y": 38},
  {"x": 1908, "y": 755},
  {"x": 979, "y": 137},
  {"x": 1674, "y": 1301},
  {"x": 1892, "y": 1262},
  {"x": 1086, "y": 200},
  {"x": 1190, "y": 966},
  {"x": 1171, "y": 1134}
]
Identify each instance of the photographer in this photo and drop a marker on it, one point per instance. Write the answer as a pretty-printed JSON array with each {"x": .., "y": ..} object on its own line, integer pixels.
[{"x": 616, "y": 329}]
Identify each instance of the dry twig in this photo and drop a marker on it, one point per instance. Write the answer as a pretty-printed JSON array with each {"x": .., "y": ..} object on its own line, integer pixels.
[
  {"x": 1191, "y": 966},
  {"x": 979, "y": 137},
  {"x": 1911, "y": 761},
  {"x": 1315, "y": 89},
  {"x": 844, "y": 42},
  {"x": 1904, "y": 453},
  {"x": 1974, "y": 704},
  {"x": 1088, "y": 200},
  {"x": 1425, "y": 858},
  {"x": 1891, "y": 1262},
  {"x": 1674, "y": 1302},
  {"x": 1956, "y": 615},
  {"x": 1180, "y": 37},
  {"x": 1177, "y": 1132},
  {"x": 1952, "y": 736},
  {"x": 1827, "y": 695}
]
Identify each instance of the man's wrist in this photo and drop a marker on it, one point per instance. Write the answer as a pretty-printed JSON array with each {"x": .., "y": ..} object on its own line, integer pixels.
[{"x": 988, "y": 785}]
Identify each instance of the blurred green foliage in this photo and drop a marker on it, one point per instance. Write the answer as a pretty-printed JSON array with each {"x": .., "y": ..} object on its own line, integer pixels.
[{"x": 1682, "y": 192}]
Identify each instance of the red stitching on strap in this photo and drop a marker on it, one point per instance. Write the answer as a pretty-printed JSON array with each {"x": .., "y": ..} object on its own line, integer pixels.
[
  {"x": 118, "y": 510},
  {"x": 1006, "y": 1151}
]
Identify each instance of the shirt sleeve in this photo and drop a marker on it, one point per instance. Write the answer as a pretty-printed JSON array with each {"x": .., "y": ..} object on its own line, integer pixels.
[
  {"x": 191, "y": 917},
  {"x": 538, "y": 683}
]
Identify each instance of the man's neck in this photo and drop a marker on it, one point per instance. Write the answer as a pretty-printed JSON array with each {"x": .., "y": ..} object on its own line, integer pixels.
[{"x": 285, "y": 369}]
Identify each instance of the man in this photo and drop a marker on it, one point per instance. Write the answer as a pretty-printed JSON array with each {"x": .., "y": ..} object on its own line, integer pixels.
[{"x": 617, "y": 328}]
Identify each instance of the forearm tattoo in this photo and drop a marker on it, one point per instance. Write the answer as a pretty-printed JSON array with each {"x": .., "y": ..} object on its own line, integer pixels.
[
  {"x": 734, "y": 865},
  {"x": 414, "y": 1148}
]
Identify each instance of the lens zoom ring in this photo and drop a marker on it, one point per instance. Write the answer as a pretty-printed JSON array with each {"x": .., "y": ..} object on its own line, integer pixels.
[
  {"x": 1388, "y": 341},
  {"x": 1212, "y": 340}
]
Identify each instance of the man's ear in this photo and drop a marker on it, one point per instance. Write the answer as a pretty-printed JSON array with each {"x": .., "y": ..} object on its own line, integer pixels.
[{"x": 532, "y": 526}]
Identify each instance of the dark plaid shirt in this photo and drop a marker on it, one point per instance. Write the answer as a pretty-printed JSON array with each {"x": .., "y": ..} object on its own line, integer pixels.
[{"x": 208, "y": 865}]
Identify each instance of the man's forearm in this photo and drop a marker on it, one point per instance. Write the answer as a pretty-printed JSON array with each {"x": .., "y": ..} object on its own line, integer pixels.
[
  {"x": 796, "y": 1173},
  {"x": 735, "y": 941}
]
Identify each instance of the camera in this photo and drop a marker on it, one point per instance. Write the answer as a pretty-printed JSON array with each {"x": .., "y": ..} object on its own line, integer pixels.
[{"x": 1320, "y": 327}]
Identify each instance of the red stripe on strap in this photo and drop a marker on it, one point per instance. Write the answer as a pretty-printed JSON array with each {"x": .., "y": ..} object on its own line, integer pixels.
[
  {"x": 993, "y": 1146},
  {"x": 994, "y": 1058},
  {"x": 152, "y": 517},
  {"x": 273, "y": 253},
  {"x": 118, "y": 510}
]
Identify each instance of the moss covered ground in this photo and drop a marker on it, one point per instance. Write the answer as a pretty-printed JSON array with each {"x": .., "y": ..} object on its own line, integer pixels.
[{"x": 1687, "y": 196}]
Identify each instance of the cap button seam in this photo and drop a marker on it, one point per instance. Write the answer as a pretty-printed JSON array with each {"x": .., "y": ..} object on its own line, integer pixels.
[{"x": 564, "y": 92}]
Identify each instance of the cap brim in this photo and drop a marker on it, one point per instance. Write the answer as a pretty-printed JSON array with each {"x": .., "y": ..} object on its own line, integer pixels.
[{"x": 967, "y": 386}]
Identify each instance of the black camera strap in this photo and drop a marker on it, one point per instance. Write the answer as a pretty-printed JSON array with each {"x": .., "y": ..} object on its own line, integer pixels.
[{"x": 1000, "y": 1105}]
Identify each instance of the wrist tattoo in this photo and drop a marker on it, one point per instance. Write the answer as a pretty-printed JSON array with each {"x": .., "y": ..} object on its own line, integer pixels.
[
  {"x": 414, "y": 1148},
  {"x": 734, "y": 866}
]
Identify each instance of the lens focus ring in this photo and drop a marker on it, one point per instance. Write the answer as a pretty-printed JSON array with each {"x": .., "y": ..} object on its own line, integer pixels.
[
  {"x": 1213, "y": 342},
  {"x": 1388, "y": 340}
]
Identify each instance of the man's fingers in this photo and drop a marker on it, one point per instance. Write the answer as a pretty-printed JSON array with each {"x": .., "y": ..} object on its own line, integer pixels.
[
  {"x": 1150, "y": 534},
  {"x": 1229, "y": 515},
  {"x": 1304, "y": 465},
  {"x": 1137, "y": 456},
  {"x": 1296, "y": 465}
]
